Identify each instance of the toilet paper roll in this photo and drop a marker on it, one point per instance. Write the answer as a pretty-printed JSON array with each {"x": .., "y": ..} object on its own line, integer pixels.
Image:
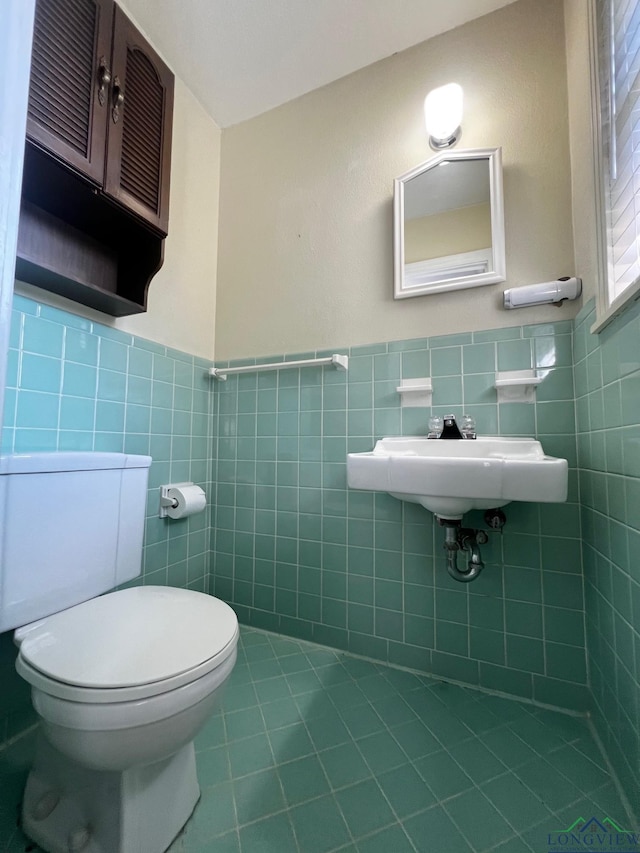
[{"x": 188, "y": 501}]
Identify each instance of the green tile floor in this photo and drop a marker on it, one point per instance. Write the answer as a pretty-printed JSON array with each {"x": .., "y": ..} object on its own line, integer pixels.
[{"x": 315, "y": 751}]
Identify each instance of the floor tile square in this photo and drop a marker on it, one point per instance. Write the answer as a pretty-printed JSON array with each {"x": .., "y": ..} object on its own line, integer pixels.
[
  {"x": 213, "y": 765},
  {"x": 264, "y": 669},
  {"x": 271, "y": 689},
  {"x": 258, "y": 795},
  {"x": 243, "y": 723},
  {"x": 364, "y": 808},
  {"x": 381, "y": 752},
  {"x": 393, "y": 839},
  {"x": 303, "y": 780},
  {"x": 322, "y": 657},
  {"x": 362, "y": 721},
  {"x": 279, "y": 713},
  {"x": 405, "y": 790},
  {"x": 513, "y": 845},
  {"x": 327, "y": 731},
  {"x": 315, "y": 704},
  {"x": 393, "y": 710},
  {"x": 214, "y": 815},
  {"x": 433, "y": 831},
  {"x": 476, "y": 760},
  {"x": 416, "y": 740},
  {"x": 376, "y": 687},
  {"x": 319, "y": 825},
  {"x": 251, "y": 754},
  {"x": 334, "y": 673},
  {"x": 358, "y": 668},
  {"x": 478, "y": 820},
  {"x": 443, "y": 775},
  {"x": 538, "y": 737},
  {"x": 567, "y": 726},
  {"x": 303, "y": 682},
  {"x": 402, "y": 680},
  {"x": 298, "y": 662},
  {"x": 580, "y": 770},
  {"x": 447, "y": 728},
  {"x": 537, "y": 837},
  {"x": 344, "y": 765},
  {"x": 290, "y": 742},
  {"x": 213, "y": 733},
  {"x": 520, "y": 806},
  {"x": 238, "y": 696},
  {"x": 508, "y": 747},
  {"x": 270, "y": 835},
  {"x": 477, "y": 718},
  {"x": 553, "y": 789},
  {"x": 346, "y": 695},
  {"x": 507, "y": 710},
  {"x": 283, "y": 646},
  {"x": 227, "y": 843}
]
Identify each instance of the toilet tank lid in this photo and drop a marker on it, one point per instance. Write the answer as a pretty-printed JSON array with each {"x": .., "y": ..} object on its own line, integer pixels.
[{"x": 42, "y": 463}]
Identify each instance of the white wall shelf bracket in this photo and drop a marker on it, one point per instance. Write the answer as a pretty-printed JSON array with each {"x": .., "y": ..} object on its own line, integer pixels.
[
  {"x": 340, "y": 362},
  {"x": 415, "y": 392},
  {"x": 517, "y": 386}
]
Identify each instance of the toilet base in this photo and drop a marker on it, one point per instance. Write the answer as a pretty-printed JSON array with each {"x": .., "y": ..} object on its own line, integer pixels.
[{"x": 69, "y": 808}]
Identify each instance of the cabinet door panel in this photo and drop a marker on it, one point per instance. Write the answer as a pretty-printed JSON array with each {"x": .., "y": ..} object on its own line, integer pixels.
[
  {"x": 140, "y": 121},
  {"x": 68, "y": 101}
]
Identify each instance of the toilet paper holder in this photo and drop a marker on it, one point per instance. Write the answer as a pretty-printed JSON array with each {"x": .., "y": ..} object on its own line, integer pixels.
[{"x": 173, "y": 495}]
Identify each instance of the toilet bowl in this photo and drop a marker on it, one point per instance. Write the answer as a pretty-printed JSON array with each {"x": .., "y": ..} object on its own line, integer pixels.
[
  {"x": 118, "y": 728},
  {"x": 123, "y": 681}
]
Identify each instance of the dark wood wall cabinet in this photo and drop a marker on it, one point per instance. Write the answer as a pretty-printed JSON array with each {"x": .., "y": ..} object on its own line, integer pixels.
[{"x": 95, "y": 195}]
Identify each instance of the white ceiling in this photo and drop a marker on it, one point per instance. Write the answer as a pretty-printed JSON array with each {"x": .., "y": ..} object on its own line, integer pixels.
[{"x": 244, "y": 57}]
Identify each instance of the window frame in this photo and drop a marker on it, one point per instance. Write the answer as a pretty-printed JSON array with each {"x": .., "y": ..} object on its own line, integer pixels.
[{"x": 607, "y": 309}]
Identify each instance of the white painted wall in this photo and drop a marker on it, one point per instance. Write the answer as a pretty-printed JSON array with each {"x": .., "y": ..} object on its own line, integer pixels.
[
  {"x": 182, "y": 296},
  {"x": 15, "y": 53},
  {"x": 305, "y": 253}
]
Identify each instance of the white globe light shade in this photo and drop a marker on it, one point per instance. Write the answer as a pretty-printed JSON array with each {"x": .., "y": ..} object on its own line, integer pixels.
[{"x": 443, "y": 111}]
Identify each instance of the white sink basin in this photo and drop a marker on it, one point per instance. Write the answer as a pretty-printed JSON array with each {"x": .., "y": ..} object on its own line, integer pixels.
[{"x": 451, "y": 477}]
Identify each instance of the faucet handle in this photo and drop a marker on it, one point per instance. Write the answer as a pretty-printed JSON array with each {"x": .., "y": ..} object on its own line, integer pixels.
[
  {"x": 468, "y": 426},
  {"x": 435, "y": 426}
]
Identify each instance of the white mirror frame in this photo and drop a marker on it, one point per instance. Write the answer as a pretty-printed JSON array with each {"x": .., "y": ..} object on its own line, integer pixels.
[{"x": 497, "y": 269}]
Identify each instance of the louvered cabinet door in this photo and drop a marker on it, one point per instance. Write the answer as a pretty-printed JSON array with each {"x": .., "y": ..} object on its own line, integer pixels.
[
  {"x": 140, "y": 122},
  {"x": 70, "y": 86}
]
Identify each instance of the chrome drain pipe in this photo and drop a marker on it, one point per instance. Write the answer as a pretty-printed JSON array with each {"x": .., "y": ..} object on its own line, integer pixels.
[{"x": 457, "y": 538}]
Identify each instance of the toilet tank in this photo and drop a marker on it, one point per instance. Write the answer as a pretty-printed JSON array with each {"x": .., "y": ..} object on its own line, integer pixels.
[{"x": 71, "y": 527}]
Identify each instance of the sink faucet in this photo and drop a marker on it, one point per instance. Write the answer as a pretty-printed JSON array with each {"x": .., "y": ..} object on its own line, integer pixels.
[{"x": 450, "y": 428}]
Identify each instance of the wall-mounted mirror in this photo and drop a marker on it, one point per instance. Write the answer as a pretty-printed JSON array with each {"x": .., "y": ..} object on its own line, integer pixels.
[{"x": 449, "y": 223}]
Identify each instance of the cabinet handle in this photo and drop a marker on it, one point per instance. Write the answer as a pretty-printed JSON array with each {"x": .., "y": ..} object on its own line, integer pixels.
[
  {"x": 104, "y": 79},
  {"x": 118, "y": 99}
]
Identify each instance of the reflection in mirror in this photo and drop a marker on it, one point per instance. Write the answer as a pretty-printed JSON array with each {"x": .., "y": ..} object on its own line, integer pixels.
[{"x": 449, "y": 224}]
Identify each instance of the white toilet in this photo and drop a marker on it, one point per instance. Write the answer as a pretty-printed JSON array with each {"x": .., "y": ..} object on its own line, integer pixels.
[{"x": 122, "y": 682}]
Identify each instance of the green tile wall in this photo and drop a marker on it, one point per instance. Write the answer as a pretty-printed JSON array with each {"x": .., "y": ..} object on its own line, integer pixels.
[
  {"x": 295, "y": 551},
  {"x": 73, "y": 384},
  {"x": 607, "y": 376}
]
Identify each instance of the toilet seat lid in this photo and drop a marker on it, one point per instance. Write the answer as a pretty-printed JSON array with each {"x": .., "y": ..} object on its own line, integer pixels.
[{"x": 131, "y": 637}]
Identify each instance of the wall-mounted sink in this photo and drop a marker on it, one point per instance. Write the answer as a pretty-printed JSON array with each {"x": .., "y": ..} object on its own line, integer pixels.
[{"x": 451, "y": 477}]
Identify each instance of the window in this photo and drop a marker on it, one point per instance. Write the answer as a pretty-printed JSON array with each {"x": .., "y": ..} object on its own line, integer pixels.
[{"x": 616, "y": 45}]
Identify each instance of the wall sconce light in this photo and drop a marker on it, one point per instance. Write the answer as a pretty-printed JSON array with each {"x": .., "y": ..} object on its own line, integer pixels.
[{"x": 443, "y": 116}]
